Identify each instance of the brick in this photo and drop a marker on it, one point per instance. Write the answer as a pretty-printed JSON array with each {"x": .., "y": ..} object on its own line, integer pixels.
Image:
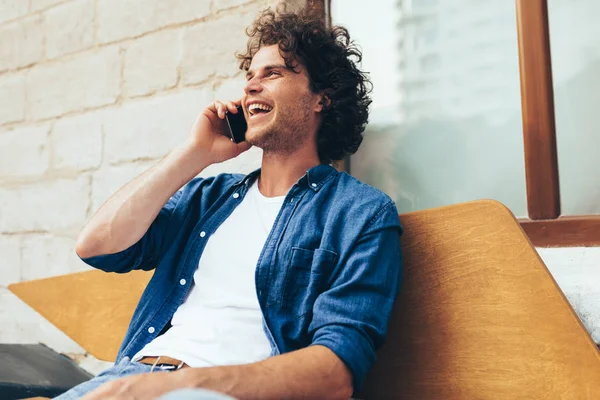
[
  {"x": 58, "y": 205},
  {"x": 151, "y": 127},
  {"x": 230, "y": 89},
  {"x": 151, "y": 63},
  {"x": 44, "y": 256},
  {"x": 118, "y": 19},
  {"x": 24, "y": 152},
  {"x": 21, "y": 43},
  {"x": 37, "y": 5},
  {"x": 69, "y": 28},
  {"x": 207, "y": 52},
  {"x": 89, "y": 80},
  {"x": 12, "y": 9},
  {"x": 10, "y": 261},
  {"x": 21, "y": 324},
  {"x": 107, "y": 181},
  {"x": 12, "y": 98},
  {"x": 225, "y": 4},
  {"x": 77, "y": 142}
]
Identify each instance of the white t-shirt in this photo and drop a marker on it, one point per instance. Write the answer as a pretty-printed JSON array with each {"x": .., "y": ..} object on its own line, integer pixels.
[{"x": 220, "y": 321}]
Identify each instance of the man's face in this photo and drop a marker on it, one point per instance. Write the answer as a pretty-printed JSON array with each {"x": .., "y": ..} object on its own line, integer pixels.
[{"x": 280, "y": 109}]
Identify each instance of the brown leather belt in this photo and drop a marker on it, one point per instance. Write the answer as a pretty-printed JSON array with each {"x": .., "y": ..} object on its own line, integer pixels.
[{"x": 163, "y": 361}]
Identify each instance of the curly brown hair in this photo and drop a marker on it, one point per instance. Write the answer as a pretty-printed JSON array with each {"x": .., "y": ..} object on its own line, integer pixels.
[{"x": 330, "y": 59}]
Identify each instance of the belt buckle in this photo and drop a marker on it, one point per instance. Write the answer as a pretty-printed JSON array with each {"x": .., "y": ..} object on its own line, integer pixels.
[{"x": 165, "y": 367}]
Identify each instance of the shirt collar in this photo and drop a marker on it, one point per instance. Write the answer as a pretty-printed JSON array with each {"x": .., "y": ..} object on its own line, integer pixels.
[
  {"x": 248, "y": 178},
  {"x": 318, "y": 175},
  {"x": 315, "y": 177}
]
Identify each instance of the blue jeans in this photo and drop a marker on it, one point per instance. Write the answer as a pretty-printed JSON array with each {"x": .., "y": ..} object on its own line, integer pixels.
[{"x": 126, "y": 368}]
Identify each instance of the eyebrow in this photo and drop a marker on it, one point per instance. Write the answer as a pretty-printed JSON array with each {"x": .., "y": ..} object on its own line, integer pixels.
[{"x": 268, "y": 68}]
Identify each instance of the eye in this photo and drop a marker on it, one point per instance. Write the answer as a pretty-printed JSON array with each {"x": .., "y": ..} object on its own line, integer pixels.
[{"x": 273, "y": 73}]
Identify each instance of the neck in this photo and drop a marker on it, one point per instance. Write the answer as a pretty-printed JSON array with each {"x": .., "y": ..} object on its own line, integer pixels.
[{"x": 280, "y": 172}]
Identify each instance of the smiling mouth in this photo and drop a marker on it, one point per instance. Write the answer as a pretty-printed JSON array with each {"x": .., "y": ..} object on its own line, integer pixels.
[{"x": 257, "y": 109}]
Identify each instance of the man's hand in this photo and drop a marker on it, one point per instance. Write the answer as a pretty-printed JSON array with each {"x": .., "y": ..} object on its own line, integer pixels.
[
  {"x": 210, "y": 137},
  {"x": 143, "y": 386},
  {"x": 311, "y": 373}
]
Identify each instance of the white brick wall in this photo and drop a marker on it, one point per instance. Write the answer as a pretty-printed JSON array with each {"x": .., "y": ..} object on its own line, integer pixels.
[
  {"x": 21, "y": 43},
  {"x": 77, "y": 142},
  {"x": 151, "y": 63},
  {"x": 37, "y": 5},
  {"x": 89, "y": 80},
  {"x": 11, "y": 9},
  {"x": 69, "y": 28},
  {"x": 200, "y": 44},
  {"x": 149, "y": 127},
  {"x": 56, "y": 205},
  {"x": 12, "y": 98},
  {"x": 92, "y": 93},
  {"x": 118, "y": 19},
  {"x": 10, "y": 261},
  {"x": 224, "y": 4},
  {"x": 24, "y": 152},
  {"x": 44, "y": 255}
]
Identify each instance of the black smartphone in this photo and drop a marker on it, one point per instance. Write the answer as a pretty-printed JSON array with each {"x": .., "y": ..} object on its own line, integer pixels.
[{"x": 237, "y": 125}]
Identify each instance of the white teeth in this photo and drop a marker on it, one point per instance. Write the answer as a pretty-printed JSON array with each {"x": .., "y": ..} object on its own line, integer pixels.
[{"x": 263, "y": 107}]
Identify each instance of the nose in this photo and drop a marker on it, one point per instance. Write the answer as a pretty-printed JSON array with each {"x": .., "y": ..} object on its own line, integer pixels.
[{"x": 253, "y": 86}]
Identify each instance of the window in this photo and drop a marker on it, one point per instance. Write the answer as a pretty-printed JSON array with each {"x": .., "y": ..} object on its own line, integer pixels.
[
  {"x": 466, "y": 108},
  {"x": 445, "y": 125}
]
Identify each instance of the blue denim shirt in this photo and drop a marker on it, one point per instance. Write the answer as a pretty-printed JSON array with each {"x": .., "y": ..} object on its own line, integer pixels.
[{"x": 328, "y": 273}]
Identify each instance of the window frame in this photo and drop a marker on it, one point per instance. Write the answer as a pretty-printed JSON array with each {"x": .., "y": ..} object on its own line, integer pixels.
[{"x": 545, "y": 226}]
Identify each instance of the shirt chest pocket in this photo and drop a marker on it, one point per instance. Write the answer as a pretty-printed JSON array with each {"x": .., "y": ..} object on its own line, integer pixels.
[{"x": 307, "y": 276}]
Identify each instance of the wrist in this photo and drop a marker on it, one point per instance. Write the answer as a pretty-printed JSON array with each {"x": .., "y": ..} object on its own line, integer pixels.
[
  {"x": 199, "y": 378},
  {"x": 224, "y": 379}
]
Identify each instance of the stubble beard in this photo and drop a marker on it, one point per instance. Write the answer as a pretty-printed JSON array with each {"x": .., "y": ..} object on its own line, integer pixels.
[{"x": 285, "y": 134}]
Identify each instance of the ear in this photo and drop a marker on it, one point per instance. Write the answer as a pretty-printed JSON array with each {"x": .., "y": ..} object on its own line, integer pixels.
[{"x": 323, "y": 103}]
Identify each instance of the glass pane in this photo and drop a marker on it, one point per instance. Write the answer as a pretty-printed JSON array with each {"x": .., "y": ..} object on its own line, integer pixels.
[
  {"x": 575, "y": 48},
  {"x": 445, "y": 122}
]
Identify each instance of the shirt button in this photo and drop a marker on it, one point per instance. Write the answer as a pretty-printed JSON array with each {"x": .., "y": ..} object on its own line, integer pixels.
[
  {"x": 182, "y": 282},
  {"x": 202, "y": 234},
  {"x": 151, "y": 329},
  {"x": 236, "y": 195},
  {"x": 314, "y": 185}
]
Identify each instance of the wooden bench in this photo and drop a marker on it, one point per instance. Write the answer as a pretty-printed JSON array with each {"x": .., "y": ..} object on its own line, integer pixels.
[{"x": 479, "y": 315}]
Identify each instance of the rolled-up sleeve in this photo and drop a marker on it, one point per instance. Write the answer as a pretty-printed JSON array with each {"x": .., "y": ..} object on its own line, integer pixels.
[
  {"x": 144, "y": 254},
  {"x": 352, "y": 316}
]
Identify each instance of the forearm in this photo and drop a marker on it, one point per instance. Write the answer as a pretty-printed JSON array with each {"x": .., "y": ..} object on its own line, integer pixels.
[
  {"x": 124, "y": 218},
  {"x": 311, "y": 373}
]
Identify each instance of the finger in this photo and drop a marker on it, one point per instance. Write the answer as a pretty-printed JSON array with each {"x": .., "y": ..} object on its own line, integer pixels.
[
  {"x": 220, "y": 109},
  {"x": 232, "y": 107},
  {"x": 213, "y": 107}
]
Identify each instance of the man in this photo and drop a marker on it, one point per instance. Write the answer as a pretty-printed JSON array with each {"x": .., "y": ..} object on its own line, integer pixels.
[{"x": 274, "y": 285}]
